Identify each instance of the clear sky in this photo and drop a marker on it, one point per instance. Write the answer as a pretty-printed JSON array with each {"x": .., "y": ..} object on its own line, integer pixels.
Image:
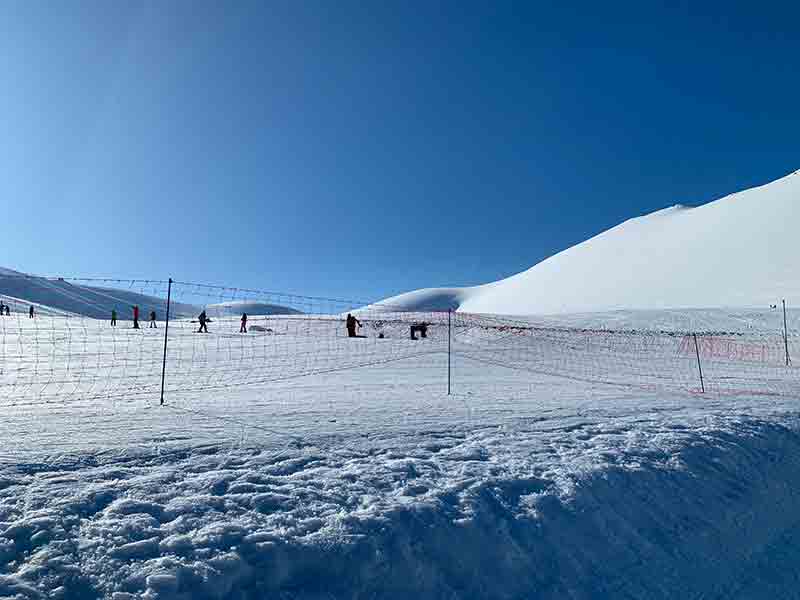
[{"x": 363, "y": 149}]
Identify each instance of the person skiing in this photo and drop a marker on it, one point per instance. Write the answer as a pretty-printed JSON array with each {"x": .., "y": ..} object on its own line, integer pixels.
[
  {"x": 8, "y": 310},
  {"x": 351, "y": 323},
  {"x": 136, "y": 317},
  {"x": 30, "y": 312},
  {"x": 243, "y": 328},
  {"x": 113, "y": 318},
  {"x": 2, "y": 309},
  {"x": 153, "y": 320},
  {"x": 203, "y": 320}
]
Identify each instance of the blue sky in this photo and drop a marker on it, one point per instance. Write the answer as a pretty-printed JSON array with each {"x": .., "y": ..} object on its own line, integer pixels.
[{"x": 363, "y": 149}]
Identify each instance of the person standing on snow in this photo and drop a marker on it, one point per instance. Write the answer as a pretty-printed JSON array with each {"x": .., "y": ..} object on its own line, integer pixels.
[
  {"x": 30, "y": 312},
  {"x": 203, "y": 320},
  {"x": 113, "y": 318},
  {"x": 351, "y": 323},
  {"x": 243, "y": 328},
  {"x": 136, "y": 317},
  {"x": 153, "y": 320}
]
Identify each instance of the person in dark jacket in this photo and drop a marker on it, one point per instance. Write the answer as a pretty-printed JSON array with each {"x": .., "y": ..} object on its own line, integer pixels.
[
  {"x": 153, "y": 320},
  {"x": 113, "y": 318},
  {"x": 351, "y": 323},
  {"x": 243, "y": 328},
  {"x": 203, "y": 319},
  {"x": 30, "y": 312},
  {"x": 136, "y": 317}
]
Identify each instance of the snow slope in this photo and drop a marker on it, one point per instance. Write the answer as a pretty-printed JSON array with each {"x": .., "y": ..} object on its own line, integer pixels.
[
  {"x": 738, "y": 251},
  {"x": 373, "y": 483},
  {"x": 71, "y": 297},
  {"x": 67, "y": 297}
]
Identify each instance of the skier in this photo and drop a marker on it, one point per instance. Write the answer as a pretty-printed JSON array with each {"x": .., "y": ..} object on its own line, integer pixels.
[
  {"x": 30, "y": 312},
  {"x": 8, "y": 310},
  {"x": 203, "y": 320},
  {"x": 351, "y": 323},
  {"x": 113, "y": 318},
  {"x": 243, "y": 328},
  {"x": 2, "y": 309},
  {"x": 153, "y": 320},
  {"x": 136, "y": 317}
]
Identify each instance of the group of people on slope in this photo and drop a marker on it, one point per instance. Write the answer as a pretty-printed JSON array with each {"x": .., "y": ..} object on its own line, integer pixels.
[
  {"x": 203, "y": 319},
  {"x": 135, "y": 318},
  {"x": 5, "y": 310},
  {"x": 351, "y": 323}
]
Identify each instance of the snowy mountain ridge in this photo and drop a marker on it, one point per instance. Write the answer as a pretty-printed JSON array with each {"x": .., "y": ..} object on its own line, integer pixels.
[{"x": 737, "y": 251}]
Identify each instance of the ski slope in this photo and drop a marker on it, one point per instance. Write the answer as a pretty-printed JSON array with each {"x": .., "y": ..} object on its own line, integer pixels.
[
  {"x": 368, "y": 480},
  {"x": 738, "y": 251}
]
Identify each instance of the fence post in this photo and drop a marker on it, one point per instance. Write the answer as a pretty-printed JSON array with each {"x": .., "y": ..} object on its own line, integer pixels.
[
  {"x": 449, "y": 310},
  {"x": 699, "y": 367},
  {"x": 166, "y": 337},
  {"x": 785, "y": 333}
]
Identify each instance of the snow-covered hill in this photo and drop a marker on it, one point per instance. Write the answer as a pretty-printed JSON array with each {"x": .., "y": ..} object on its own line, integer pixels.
[
  {"x": 59, "y": 296},
  {"x": 62, "y": 296},
  {"x": 737, "y": 251}
]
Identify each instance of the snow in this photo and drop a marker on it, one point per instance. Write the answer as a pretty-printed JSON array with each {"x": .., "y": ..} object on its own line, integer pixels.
[
  {"x": 737, "y": 251},
  {"x": 372, "y": 482},
  {"x": 577, "y": 456}
]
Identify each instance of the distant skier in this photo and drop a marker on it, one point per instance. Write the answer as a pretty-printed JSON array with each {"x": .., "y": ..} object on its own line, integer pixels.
[
  {"x": 30, "y": 312},
  {"x": 351, "y": 323},
  {"x": 8, "y": 310},
  {"x": 2, "y": 309},
  {"x": 136, "y": 317},
  {"x": 153, "y": 320},
  {"x": 113, "y": 318},
  {"x": 203, "y": 320},
  {"x": 243, "y": 328}
]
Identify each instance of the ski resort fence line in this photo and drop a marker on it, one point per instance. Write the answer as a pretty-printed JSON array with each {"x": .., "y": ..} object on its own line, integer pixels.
[{"x": 73, "y": 353}]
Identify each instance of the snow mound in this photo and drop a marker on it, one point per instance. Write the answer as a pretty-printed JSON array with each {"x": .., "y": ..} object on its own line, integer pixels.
[
  {"x": 737, "y": 251},
  {"x": 236, "y": 308}
]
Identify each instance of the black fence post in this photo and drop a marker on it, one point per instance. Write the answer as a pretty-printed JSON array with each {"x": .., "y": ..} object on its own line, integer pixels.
[
  {"x": 785, "y": 334},
  {"x": 166, "y": 337},
  {"x": 449, "y": 335},
  {"x": 699, "y": 367}
]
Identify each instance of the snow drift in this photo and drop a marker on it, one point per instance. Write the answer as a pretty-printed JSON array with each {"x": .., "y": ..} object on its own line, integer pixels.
[{"x": 737, "y": 251}]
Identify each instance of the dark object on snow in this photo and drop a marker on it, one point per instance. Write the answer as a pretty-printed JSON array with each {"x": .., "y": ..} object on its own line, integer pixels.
[
  {"x": 351, "y": 323},
  {"x": 243, "y": 328},
  {"x": 422, "y": 328},
  {"x": 203, "y": 320},
  {"x": 153, "y": 320},
  {"x": 30, "y": 312},
  {"x": 136, "y": 317},
  {"x": 113, "y": 318}
]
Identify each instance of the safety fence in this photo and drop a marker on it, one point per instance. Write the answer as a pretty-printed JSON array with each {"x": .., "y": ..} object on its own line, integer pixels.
[{"x": 59, "y": 344}]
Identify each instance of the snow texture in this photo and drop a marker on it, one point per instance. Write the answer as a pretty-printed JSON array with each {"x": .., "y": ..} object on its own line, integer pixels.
[{"x": 373, "y": 483}]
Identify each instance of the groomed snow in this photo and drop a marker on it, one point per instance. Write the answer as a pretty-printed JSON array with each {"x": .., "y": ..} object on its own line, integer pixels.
[{"x": 373, "y": 483}]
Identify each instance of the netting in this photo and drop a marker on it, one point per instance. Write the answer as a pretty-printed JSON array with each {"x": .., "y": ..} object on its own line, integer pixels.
[{"x": 69, "y": 349}]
